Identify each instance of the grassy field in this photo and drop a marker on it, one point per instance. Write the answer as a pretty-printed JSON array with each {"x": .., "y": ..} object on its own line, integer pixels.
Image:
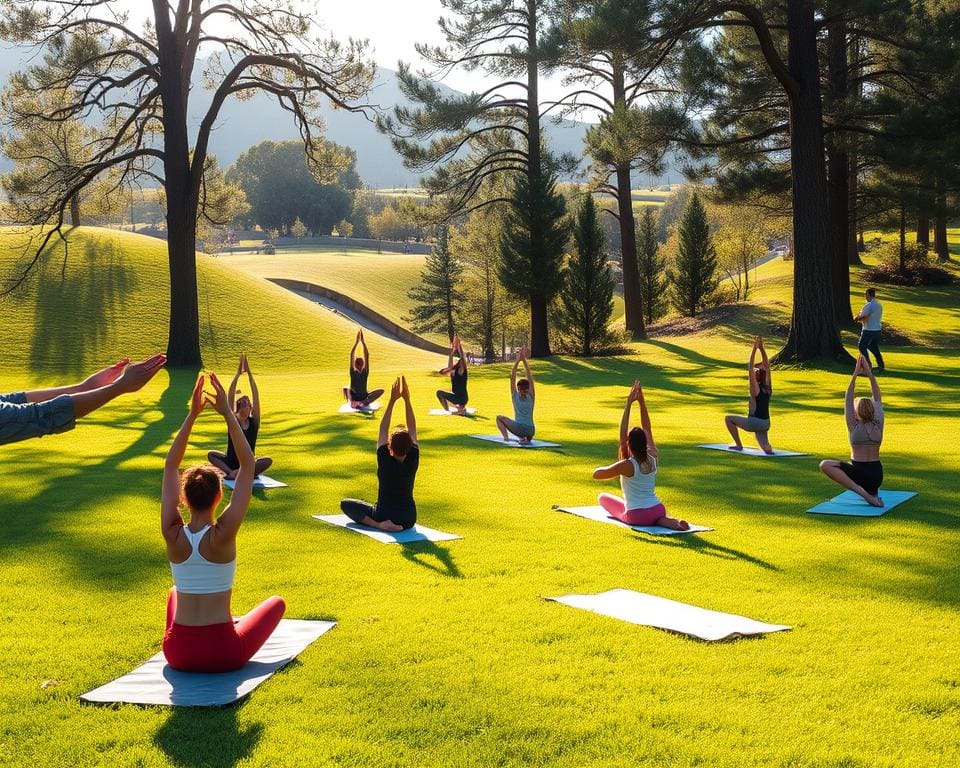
[{"x": 446, "y": 654}]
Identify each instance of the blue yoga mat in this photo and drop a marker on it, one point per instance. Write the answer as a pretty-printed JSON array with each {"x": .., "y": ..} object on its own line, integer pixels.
[{"x": 850, "y": 504}]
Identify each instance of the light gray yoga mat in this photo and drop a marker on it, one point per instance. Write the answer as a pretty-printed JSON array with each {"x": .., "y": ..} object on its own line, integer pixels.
[
  {"x": 441, "y": 412},
  {"x": 260, "y": 481},
  {"x": 417, "y": 533},
  {"x": 777, "y": 453},
  {"x": 851, "y": 504},
  {"x": 346, "y": 408},
  {"x": 600, "y": 515},
  {"x": 653, "y": 611},
  {"x": 514, "y": 443},
  {"x": 155, "y": 682}
]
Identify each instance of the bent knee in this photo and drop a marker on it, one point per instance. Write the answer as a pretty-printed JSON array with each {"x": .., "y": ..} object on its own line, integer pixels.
[{"x": 827, "y": 464}]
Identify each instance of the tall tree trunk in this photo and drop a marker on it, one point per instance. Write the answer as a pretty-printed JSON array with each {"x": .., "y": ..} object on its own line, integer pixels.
[
  {"x": 903, "y": 238},
  {"x": 632, "y": 296},
  {"x": 853, "y": 246},
  {"x": 940, "y": 223},
  {"x": 838, "y": 177},
  {"x": 813, "y": 328},
  {"x": 923, "y": 229},
  {"x": 75, "y": 211}
]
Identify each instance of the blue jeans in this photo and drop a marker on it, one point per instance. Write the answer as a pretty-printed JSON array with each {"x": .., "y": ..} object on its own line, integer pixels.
[
  {"x": 870, "y": 342},
  {"x": 20, "y": 420}
]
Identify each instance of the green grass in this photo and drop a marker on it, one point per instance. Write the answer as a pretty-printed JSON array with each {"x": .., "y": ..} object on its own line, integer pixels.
[{"x": 446, "y": 655}]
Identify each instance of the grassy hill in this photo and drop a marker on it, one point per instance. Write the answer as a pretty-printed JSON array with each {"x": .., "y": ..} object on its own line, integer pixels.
[{"x": 447, "y": 654}]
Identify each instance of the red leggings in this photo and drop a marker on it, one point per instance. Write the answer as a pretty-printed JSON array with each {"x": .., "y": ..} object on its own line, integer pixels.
[
  {"x": 219, "y": 647},
  {"x": 616, "y": 507}
]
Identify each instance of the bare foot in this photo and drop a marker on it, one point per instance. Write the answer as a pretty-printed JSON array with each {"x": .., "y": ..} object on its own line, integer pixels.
[
  {"x": 769, "y": 452},
  {"x": 524, "y": 441},
  {"x": 735, "y": 447},
  {"x": 874, "y": 501},
  {"x": 683, "y": 525},
  {"x": 390, "y": 527},
  {"x": 461, "y": 409}
]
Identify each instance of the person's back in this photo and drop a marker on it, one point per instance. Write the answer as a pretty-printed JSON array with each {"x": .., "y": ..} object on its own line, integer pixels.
[
  {"x": 523, "y": 408},
  {"x": 638, "y": 491}
]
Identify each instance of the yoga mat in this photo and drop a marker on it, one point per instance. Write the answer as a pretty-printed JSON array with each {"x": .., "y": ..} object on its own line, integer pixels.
[
  {"x": 157, "y": 683},
  {"x": 600, "y": 515},
  {"x": 777, "y": 454},
  {"x": 417, "y": 533},
  {"x": 441, "y": 412},
  {"x": 652, "y": 611},
  {"x": 346, "y": 408},
  {"x": 513, "y": 443},
  {"x": 260, "y": 481},
  {"x": 852, "y": 505}
]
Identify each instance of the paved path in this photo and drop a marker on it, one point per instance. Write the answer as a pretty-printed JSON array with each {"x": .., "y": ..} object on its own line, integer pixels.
[{"x": 354, "y": 317}]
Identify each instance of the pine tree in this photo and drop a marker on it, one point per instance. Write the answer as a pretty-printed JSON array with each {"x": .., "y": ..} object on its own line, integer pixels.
[
  {"x": 694, "y": 279},
  {"x": 651, "y": 267},
  {"x": 587, "y": 294},
  {"x": 437, "y": 297}
]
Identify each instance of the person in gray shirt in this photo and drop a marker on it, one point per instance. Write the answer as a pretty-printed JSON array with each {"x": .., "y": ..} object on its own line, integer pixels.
[
  {"x": 524, "y": 398},
  {"x": 870, "y": 322}
]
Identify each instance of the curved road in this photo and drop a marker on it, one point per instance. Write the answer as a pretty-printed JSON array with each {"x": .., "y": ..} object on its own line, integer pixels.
[{"x": 354, "y": 317}]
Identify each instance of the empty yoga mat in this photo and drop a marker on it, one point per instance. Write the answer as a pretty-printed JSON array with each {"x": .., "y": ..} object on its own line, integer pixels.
[
  {"x": 417, "y": 533},
  {"x": 852, "y": 505},
  {"x": 752, "y": 451},
  {"x": 441, "y": 412},
  {"x": 600, "y": 515},
  {"x": 652, "y": 611},
  {"x": 157, "y": 683},
  {"x": 260, "y": 481},
  {"x": 347, "y": 408},
  {"x": 514, "y": 444}
]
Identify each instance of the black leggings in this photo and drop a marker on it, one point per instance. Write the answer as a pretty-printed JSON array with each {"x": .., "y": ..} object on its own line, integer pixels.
[
  {"x": 451, "y": 397},
  {"x": 867, "y": 474},
  {"x": 356, "y": 510}
]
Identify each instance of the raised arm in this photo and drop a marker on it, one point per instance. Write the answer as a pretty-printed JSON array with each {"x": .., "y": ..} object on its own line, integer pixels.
[
  {"x": 170, "y": 520},
  {"x": 874, "y": 387},
  {"x": 754, "y": 387},
  {"x": 254, "y": 391},
  {"x": 232, "y": 396},
  {"x": 526, "y": 370},
  {"x": 848, "y": 412},
  {"x": 366, "y": 352},
  {"x": 625, "y": 421},
  {"x": 766, "y": 365},
  {"x": 410, "y": 416},
  {"x": 353, "y": 351},
  {"x": 384, "y": 437},
  {"x": 513, "y": 372},
  {"x": 229, "y": 522},
  {"x": 645, "y": 423}
]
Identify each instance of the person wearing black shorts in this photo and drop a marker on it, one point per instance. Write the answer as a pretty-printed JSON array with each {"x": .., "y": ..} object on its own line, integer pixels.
[
  {"x": 863, "y": 474},
  {"x": 357, "y": 393},
  {"x": 248, "y": 415},
  {"x": 398, "y": 459},
  {"x": 458, "y": 379}
]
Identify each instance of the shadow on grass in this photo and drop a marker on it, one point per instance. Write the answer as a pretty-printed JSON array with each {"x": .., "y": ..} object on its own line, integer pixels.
[
  {"x": 193, "y": 737},
  {"x": 440, "y": 559},
  {"x": 702, "y": 546}
]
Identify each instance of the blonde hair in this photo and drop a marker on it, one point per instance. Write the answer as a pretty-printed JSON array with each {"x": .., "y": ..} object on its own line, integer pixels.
[{"x": 866, "y": 410}]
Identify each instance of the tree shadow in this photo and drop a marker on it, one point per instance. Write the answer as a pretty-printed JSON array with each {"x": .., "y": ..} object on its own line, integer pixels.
[
  {"x": 417, "y": 552},
  {"x": 194, "y": 737},
  {"x": 702, "y": 546}
]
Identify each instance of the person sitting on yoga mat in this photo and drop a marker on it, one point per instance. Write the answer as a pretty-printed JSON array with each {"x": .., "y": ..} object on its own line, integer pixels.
[
  {"x": 864, "y": 474},
  {"x": 637, "y": 470},
  {"x": 201, "y": 634},
  {"x": 458, "y": 379},
  {"x": 40, "y": 412},
  {"x": 248, "y": 414},
  {"x": 758, "y": 420},
  {"x": 357, "y": 394},
  {"x": 398, "y": 458},
  {"x": 521, "y": 391}
]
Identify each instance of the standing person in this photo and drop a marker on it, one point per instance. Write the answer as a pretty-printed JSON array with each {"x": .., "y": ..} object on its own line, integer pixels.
[
  {"x": 870, "y": 318},
  {"x": 357, "y": 394},
  {"x": 40, "y": 412},
  {"x": 201, "y": 634},
  {"x": 637, "y": 470},
  {"x": 758, "y": 413},
  {"x": 248, "y": 415},
  {"x": 458, "y": 379},
  {"x": 524, "y": 398},
  {"x": 398, "y": 458},
  {"x": 864, "y": 417}
]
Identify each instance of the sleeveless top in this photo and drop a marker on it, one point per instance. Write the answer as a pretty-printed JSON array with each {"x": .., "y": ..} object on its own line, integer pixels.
[
  {"x": 358, "y": 381},
  {"x": 523, "y": 409},
  {"x": 458, "y": 381},
  {"x": 638, "y": 490},
  {"x": 198, "y": 576},
  {"x": 867, "y": 434},
  {"x": 253, "y": 427},
  {"x": 762, "y": 408}
]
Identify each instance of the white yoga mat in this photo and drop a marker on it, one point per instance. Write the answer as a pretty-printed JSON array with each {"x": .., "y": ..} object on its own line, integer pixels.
[
  {"x": 157, "y": 683},
  {"x": 777, "y": 454},
  {"x": 852, "y": 505},
  {"x": 513, "y": 443},
  {"x": 441, "y": 412},
  {"x": 417, "y": 533},
  {"x": 600, "y": 515},
  {"x": 260, "y": 481},
  {"x": 347, "y": 408},
  {"x": 652, "y": 611}
]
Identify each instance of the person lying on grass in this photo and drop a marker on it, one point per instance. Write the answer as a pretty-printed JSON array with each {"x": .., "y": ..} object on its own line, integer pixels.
[
  {"x": 398, "y": 458},
  {"x": 637, "y": 470},
  {"x": 357, "y": 394},
  {"x": 201, "y": 634},
  {"x": 40, "y": 412},
  {"x": 522, "y": 395},
  {"x": 758, "y": 413},
  {"x": 248, "y": 414},
  {"x": 864, "y": 416},
  {"x": 458, "y": 379}
]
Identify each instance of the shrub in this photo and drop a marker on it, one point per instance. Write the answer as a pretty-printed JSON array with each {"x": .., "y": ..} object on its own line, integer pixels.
[{"x": 915, "y": 268}]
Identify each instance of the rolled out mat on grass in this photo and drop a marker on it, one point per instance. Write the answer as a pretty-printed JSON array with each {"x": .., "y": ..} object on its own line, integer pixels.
[
  {"x": 600, "y": 515},
  {"x": 652, "y": 611},
  {"x": 851, "y": 504},
  {"x": 777, "y": 453},
  {"x": 441, "y": 412},
  {"x": 347, "y": 408},
  {"x": 155, "y": 682},
  {"x": 417, "y": 533},
  {"x": 496, "y": 439},
  {"x": 260, "y": 481}
]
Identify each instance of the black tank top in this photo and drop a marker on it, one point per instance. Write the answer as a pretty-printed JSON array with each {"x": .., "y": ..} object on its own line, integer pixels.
[
  {"x": 458, "y": 381},
  {"x": 358, "y": 381},
  {"x": 762, "y": 408},
  {"x": 253, "y": 427}
]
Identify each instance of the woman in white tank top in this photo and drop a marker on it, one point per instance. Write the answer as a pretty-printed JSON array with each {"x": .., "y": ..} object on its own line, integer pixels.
[
  {"x": 201, "y": 635},
  {"x": 637, "y": 470}
]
